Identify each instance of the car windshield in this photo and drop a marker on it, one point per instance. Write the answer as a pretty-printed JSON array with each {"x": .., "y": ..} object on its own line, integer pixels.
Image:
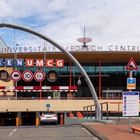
[{"x": 48, "y": 113}]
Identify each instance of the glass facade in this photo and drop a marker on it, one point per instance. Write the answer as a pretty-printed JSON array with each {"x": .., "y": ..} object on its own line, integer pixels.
[{"x": 113, "y": 78}]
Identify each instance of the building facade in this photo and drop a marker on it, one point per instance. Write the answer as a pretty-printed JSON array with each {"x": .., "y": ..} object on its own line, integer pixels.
[{"x": 106, "y": 69}]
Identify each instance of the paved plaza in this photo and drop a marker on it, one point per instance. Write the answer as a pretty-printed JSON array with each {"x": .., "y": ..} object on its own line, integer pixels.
[
  {"x": 46, "y": 133},
  {"x": 113, "y": 131}
]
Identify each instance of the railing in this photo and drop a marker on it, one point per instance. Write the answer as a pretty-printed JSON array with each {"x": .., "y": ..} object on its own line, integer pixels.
[
  {"x": 104, "y": 109},
  {"x": 111, "y": 98},
  {"x": 107, "y": 108}
]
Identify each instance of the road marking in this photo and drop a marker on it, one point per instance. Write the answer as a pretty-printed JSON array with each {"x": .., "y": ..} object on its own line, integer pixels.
[{"x": 12, "y": 132}]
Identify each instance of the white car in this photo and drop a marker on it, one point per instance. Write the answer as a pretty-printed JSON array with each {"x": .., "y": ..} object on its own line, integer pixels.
[{"x": 47, "y": 117}]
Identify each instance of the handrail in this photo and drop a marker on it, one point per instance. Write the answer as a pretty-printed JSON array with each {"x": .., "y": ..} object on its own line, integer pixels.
[{"x": 107, "y": 110}]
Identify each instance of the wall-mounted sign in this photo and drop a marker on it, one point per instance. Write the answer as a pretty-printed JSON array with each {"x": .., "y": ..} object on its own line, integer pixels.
[
  {"x": 27, "y": 76},
  {"x": 59, "y": 63},
  {"x": 39, "y": 75},
  {"x": 4, "y": 75},
  {"x": 52, "y": 76},
  {"x": 73, "y": 48},
  {"x": 16, "y": 75},
  {"x": 29, "y": 62},
  {"x": 48, "y": 106}
]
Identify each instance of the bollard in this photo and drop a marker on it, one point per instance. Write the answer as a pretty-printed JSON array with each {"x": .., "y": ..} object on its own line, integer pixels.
[
  {"x": 17, "y": 120},
  {"x": 20, "y": 118},
  {"x": 61, "y": 118},
  {"x": 37, "y": 119}
]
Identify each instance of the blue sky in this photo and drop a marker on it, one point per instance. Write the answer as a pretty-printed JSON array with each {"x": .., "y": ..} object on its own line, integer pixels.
[{"x": 106, "y": 21}]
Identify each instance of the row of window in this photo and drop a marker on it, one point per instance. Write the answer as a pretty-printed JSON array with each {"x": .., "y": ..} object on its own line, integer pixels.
[{"x": 88, "y": 69}]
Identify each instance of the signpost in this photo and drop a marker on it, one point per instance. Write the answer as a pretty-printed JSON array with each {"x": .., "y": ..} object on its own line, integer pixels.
[
  {"x": 131, "y": 65},
  {"x": 130, "y": 97},
  {"x": 131, "y": 103}
]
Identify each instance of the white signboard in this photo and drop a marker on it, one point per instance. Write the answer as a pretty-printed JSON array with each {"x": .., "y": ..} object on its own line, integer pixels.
[{"x": 131, "y": 103}]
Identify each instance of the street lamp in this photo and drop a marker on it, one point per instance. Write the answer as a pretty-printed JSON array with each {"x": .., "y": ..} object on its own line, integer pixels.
[{"x": 79, "y": 82}]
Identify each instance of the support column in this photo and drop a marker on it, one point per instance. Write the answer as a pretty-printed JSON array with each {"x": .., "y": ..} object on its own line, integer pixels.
[
  {"x": 61, "y": 118},
  {"x": 40, "y": 90},
  {"x": 91, "y": 112},
  {"x": 100, "y": 81},
  {"x": 37, "y": 119},
  {"x": 18, "y": 119},
  {"x": 70, "y": 79}
]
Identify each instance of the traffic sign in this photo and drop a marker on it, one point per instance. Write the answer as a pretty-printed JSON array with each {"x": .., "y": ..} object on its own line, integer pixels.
[
  {"x": 27, "y": 75},
  {"x": 52, "y": 76},
  {"x": 48, "y": 106},
  {"x": 39, "y": 75},
  {"x": 16, "y": 75},
  {"x": 131, "y": 65},
  {"x": 131, "y": 83},
  {"x": 131, "y": 103}
]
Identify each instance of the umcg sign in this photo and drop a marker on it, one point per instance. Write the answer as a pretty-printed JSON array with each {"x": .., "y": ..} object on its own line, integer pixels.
[{"x": 29, "y": 62}]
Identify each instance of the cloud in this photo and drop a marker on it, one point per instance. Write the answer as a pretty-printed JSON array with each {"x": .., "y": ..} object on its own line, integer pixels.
[{"x": 106, "y": 21}]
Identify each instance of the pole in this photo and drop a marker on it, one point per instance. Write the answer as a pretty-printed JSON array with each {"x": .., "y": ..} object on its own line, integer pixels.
[
  {"x": 15, "y": 57},
  {"x": 44, "y": 66},
  {"x": 130, "y": 119},
  {"x": 70, "y": 78},
  {"x": 100, "y": 84},
  {"x": 40, "y": 90}
]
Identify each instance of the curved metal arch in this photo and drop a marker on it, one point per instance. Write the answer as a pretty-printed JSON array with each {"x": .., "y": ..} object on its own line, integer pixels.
[{"x": 69, "y": 55}]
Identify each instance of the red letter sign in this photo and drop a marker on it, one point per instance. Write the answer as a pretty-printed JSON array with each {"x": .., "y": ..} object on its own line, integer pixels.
[
  {"x": 39, "y": 62},
  {"x": 29, "y": 62},
  {"x": 49, "y": 63},
  {"x": 59, "y": 63}
]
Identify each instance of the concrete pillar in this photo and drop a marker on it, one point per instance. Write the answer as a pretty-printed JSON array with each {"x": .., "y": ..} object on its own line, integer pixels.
[
  {"x": 61, "y": 118},
  {"x": 37, "y": 119},
  {"x": 18, "y": 119},
  {"x": 2, "y": 121}
]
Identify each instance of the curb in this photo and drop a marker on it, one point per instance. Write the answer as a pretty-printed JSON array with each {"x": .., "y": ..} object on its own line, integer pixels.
[{"x": 93, "y": 132}]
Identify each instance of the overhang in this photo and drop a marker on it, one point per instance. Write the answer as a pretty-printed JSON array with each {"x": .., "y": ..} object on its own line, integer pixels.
[{"x": 82, "y": 57}]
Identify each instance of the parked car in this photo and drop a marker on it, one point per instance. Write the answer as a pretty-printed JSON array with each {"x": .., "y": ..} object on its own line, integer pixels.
[{"x": 48, "y": 117}]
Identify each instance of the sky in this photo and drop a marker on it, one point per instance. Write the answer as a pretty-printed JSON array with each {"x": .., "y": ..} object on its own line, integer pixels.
[{"x": 106, "y": 21}]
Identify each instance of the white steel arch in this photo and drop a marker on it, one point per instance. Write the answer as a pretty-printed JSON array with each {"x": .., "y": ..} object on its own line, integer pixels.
[{"x": 69, "y": 55}]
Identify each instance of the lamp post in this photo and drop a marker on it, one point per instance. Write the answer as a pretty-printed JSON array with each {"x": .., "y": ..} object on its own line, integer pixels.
[{"x": 79, "y": 82}]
